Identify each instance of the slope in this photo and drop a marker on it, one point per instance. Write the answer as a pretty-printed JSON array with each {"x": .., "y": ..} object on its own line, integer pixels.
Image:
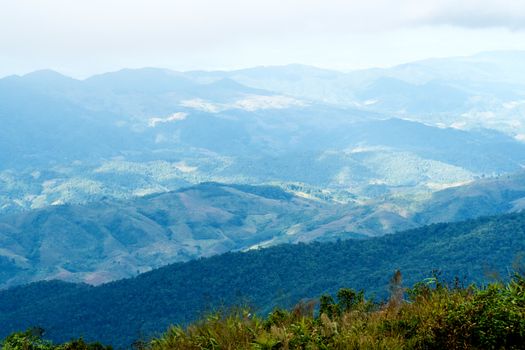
[
  {"x": 108, "y": 240},
  {"x": 120, "y": 312}
]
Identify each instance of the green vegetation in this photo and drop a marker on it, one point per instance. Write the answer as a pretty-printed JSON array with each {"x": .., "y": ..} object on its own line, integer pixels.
[
  {"x": 434, "y": 316},
  {"x": 121, "y": 312},
  {"x": 430, "y": 315},
  {"x": 32, "y": 339}
]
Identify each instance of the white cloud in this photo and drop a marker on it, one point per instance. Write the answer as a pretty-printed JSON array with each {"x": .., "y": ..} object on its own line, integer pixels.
[
  {"x": 249, "y": 103},
  {"x": 520, "y": 137},
  {"x": 202, "y": 105},
  {"x": 474, "y": 13},
  {"x": 257, "y": 102},
  {"x": 513, "y": 104},
  {"x": 153, "y": 122}
]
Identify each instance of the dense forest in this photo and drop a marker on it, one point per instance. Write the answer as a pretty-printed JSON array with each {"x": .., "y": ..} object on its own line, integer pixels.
[
  {"x": 432, "y": 314},
  {"x": 122, "y": 312}
]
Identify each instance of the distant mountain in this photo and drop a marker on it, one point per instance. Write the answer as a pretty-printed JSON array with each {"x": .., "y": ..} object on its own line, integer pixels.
[
  {"x": 84, "y": 156},
  {"x": 40, "y": 127},
  {"x": 483, "y": 90},
  {"x": 107, "y": 239},
  {"x": 480, "y": 198},
  {"x": 403, "y": 98},
  {"x": 502, "y": 67},
  {"x": 138, "y": 131},
  {"x": 119, "y": 313},
  {"x": 104, "y": 241},
  {"x": 486, "y": 67}
]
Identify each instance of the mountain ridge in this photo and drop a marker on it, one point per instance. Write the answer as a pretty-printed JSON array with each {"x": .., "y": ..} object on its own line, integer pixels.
[{"x": 212, "y": 218}]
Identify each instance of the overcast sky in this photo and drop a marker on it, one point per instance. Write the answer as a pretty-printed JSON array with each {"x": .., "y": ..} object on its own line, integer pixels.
[{"x": 83, "y": 37}]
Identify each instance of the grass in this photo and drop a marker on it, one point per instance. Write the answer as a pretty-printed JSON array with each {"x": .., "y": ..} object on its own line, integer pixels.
[{"x": 430, "y": 315}]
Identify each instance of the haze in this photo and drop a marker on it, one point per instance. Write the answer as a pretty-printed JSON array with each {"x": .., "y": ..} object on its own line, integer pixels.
[{"x": 82, "y": 38}]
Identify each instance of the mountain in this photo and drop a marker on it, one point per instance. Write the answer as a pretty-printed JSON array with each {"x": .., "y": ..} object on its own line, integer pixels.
[
  {"x": 480, "y": 198},
  {"x": 296, "y": 80},
  {"x": 127, "y": 235},
  {"x": 502, "y": 67},
  {"x": 74, "y": 151},
  {"x": 56, "y": 129},
  {"x": 483, "y": 90},
  {"x": 120, "y": 312},
  {"x": 341, "y": 151},
  {"x": 140, "y": 131},
  {"x": 39, "y": 128},
  {"x": 106, "y": 240},
  {"x": 395, "y": 95}
]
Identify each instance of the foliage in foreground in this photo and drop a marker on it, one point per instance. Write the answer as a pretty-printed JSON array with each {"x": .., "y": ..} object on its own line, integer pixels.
[
  {"x": 32, "y": 340},
  {"x": 433, "y": 316},
  {"x": 430, "y": 315}
]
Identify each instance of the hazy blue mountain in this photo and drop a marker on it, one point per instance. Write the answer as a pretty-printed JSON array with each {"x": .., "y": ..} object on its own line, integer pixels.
[
  {"x": 398, "y": 96},
  {"x": 140, "y": 131},
  {"x": 496, "y": 66},
  {"x": 135, "y": 132},
  {"x": 101, "y": 137},
  {"x": 484, "y": 90},
  {"x": 121, "y": 312},
  {"x": 40, "y": 127},
  {"x": 503, "y": 67}
]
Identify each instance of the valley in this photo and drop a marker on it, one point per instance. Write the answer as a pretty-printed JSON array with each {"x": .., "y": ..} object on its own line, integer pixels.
[{"x": 124, "y": 172}]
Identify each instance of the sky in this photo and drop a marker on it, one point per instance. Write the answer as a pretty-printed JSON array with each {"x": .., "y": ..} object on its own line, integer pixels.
[{"x": 84, "y": 37}]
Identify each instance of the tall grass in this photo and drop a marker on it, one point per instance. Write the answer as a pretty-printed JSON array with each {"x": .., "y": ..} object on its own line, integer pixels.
[{"x": 431, "y": 315}]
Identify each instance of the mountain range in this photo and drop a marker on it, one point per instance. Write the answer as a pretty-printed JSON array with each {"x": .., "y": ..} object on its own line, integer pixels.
[
  {"x": 136, "y": 132},
  {"x": 108, "y": 240},
  {"x": 105, "y": 180},
  {"x": 123, "y": 172}
]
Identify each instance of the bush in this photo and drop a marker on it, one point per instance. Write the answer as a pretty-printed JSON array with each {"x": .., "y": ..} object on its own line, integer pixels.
[
  {"x": 435, "y": 316},
  {"x": 32, "y": 340}
]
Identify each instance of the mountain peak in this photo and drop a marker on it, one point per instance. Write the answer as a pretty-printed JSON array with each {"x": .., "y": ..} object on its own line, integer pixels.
[{"x": 46, "y": 74}]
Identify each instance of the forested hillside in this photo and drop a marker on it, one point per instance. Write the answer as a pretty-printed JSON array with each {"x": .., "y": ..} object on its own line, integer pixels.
[{"x": 120, "y": 312}]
